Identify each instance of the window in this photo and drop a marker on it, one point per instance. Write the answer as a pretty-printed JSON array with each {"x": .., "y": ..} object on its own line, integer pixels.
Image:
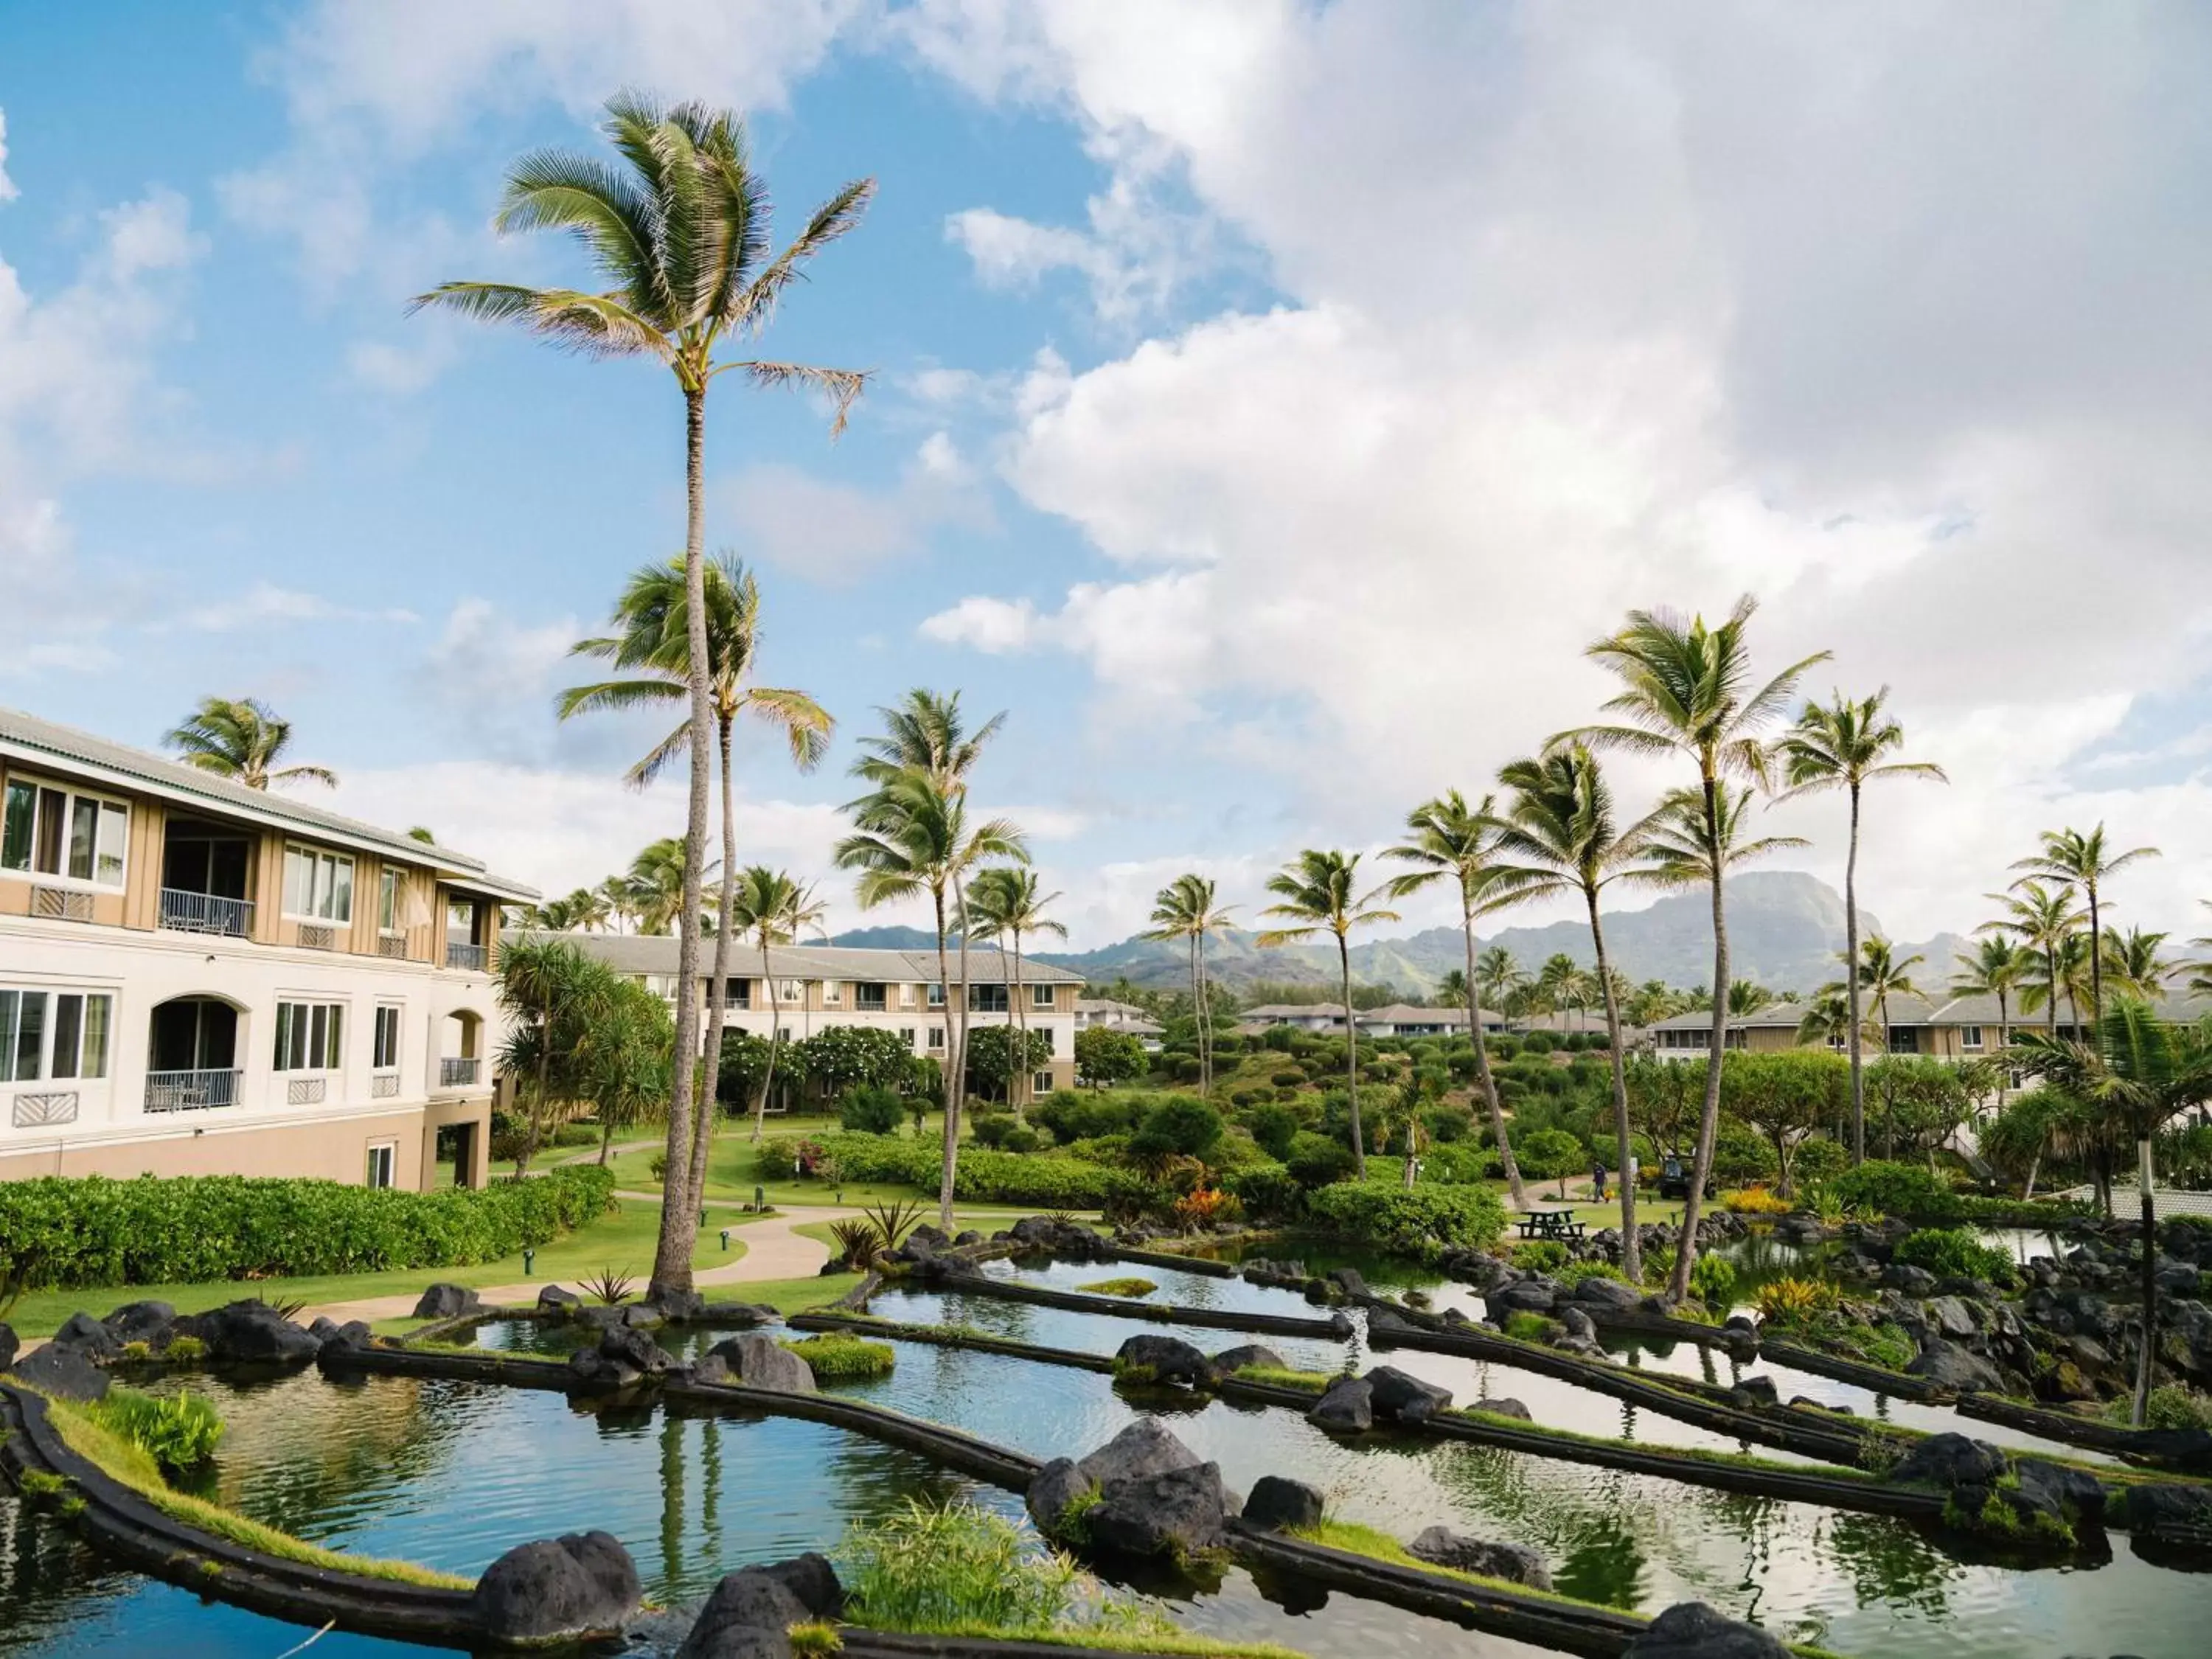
[
  {"x": 1051, "y": 1040},
  {"x": 1040, "y": 1082},
  {"x": 382, "y": 1156},
  {"x": 318, "y": 886},
  {"x": 870, "y": 998},
  {"x": 1042, "y": 996},
  {"x": 387, "y": 899},
  {"x": 906, "y": 1035},
  {"x": 937, "y": 1037},
  {"x": 986, "y": 1000},
  {"x": 56, "y": 1034},
  {"x": 310, "y": 1035},
  {"x": 832, "y": 994},
  {"x": 788, "y": 990},
  {"x": 1904, "y": 1040},
  {"x": 49, "y": 831},
  {"x": 937, "y": 996},
  {"x": 1970, "y": 1037},
  {"x": 384, "y": 1051},
  {"x": 906, "y": 996},
  {"x": 738, "y": 993}
]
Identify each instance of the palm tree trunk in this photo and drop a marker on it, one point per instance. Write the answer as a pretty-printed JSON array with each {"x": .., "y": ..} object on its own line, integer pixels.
[
  {"x": 1022, "y": 1011},
  {"x": 1352, "y": 1060},
  {"x": 1513, "y": 1188},
  {"x": 2096, "y": 971},
  {"x": 1197, "y": 1018},
  {"x": 775, "y": 1041},
  {"x": 2033, "y": 1164},
  {"x": 1851, "y": 984},
  {"x": 1701, "y": 1163},
  {"x": 2144, "y": 1182},
  {"x": 948, "y": 1165},
  {"x": 679, "y": 1225},
  {"x": 1632, "y": 1257},
  {"x": 718, "y": 992},
  {"x": 1205, "y": 1022},
  {"x": 1888, "y": 1098},
  {"x": 2004, "y": 1041},
  {"x": 530, "y": 1135}
]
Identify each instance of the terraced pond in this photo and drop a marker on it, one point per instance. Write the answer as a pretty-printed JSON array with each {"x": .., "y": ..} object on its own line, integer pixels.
[{"x": 452, "y": 1474}]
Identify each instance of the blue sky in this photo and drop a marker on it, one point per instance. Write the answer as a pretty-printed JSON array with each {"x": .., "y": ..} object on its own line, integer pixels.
[{"x": 1269, "y": 401}]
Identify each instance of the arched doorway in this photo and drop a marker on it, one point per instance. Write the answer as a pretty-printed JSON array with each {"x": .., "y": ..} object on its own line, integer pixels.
[{"x": 194, "y": 1048}]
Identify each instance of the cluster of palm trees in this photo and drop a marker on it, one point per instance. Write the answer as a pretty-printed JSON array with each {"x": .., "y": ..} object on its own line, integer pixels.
[{"x": 241, "y": 738}]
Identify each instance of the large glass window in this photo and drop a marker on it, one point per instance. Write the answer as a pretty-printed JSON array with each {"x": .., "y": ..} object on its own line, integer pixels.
[
  {"x": 385, "y": 1051},
  {"x": 56, "y": 1034},
  {"x": 310, "y": 1036},
  {"x": 50, "y": 831},
  {"x": 318, "y": 886},
  {"x": 387, "y": 899}
]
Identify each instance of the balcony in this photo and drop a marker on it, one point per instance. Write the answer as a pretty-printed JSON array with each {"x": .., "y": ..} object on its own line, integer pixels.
[
  {"x": 191, "y": 1091},
  {"x": 471, "y": 958},
  {"x": 459, "y": 1070},
  {"x": 206, "y": 913}
]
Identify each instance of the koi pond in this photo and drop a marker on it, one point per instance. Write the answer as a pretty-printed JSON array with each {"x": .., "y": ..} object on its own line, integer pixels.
[{"x": 452, "y": 1474}]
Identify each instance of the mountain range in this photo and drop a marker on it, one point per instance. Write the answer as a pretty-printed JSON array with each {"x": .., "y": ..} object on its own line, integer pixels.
[{"x": 1785, "y": 932}]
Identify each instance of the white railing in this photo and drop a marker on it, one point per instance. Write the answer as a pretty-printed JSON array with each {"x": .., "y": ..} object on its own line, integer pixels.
[
  {"x": 306, "y": 1090},
  {"x": 206, "y": 913},
  {"x": 468, "y": 956},
  {"x": 44, "y": 1110},
  {"x": 191, "y": 1091},
  {"x": 458, "y": 1071},
  {"x": 384, "y": 1085}
]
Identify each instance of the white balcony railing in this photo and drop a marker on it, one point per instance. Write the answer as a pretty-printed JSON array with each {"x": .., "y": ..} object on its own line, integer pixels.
[
  {"x": 458, "y": 1071},
  {"x": 191, "y": 1091},
  {"x": 385, "y": 1085},
  {"x": 206, "y": 913},
  {"x": 469, "y": 957}
]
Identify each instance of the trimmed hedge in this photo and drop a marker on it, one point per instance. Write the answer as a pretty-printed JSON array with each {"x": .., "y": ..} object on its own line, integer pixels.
[
  {"x": 1050, "y": 1180},
  {"x": 88, "y": 1232},
  {"x": 1422, "y": 1221}
]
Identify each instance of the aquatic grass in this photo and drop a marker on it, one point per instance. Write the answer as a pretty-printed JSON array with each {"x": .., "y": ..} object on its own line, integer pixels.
[
  {"x": 133, "y": 1466},
  {"x": 839, "y": 1357},
  {"x": 1122, "y": 1287},
  {"x": 179, "y": 1430}
]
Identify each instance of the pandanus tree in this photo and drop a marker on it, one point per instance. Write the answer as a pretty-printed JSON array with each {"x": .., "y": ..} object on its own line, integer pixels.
[
  {"x": 1004, "y": 904},
  {"x": 1449, "y": 840},
  {"x": 1846, "y": 744},
  {"x": 651, "y": 650},
  {"x": 2085, "y": 861},
  {"x": 242, "y": 740},
  {"x": 1690, "y": 842},
  {"x": 2137, "y": 1074},
  {"x": 911, "y": 837},
  {"x": 1563, "y": 838},
  {"x": 1184, "y": 910},
  {"x": 766, "y": 908},
  {"x": 1687, "y": 690},
  {"x": 678, "y": 230},
  {"x": 1319, "y": 892}
]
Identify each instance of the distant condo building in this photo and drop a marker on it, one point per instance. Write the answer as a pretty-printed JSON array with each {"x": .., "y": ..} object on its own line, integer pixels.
[{"x": 198, "y": 978}]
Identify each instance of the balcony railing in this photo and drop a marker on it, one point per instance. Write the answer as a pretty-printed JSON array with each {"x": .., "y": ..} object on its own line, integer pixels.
[
  {"x": 206, "y": 913},
  {"x": 468, "y": 956},
  {"x": 392, "y": 945},
  {"x": 385, "y": 1085},
  {"x": 458, "y": 1071},
  {"x": 191, "y": 1091}
]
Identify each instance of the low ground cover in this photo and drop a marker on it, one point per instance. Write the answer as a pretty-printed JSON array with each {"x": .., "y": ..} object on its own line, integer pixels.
[{"x": 839, "y": 1357}]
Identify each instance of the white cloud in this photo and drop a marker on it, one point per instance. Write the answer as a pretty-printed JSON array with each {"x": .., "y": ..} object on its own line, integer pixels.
[
  {"x": 401, "y": 370},
  {"x": 8, "y": 191},
  {"x": 834, "y": 532},
  {"x": 265, "y": 602}
]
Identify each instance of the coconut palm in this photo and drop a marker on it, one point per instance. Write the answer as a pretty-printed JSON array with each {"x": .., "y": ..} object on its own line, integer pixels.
[
  {"x": 2085, "y": 861},
  {"x": 1555, "y": 981},
  {"x": 1449, "y": 840},
  {"x": 657, "y": 885},
  {"x": 2043, "y": 919},
  {"x": 1827, "y": 1018},
  {"x": 1497, "y": 974},
  {"x": 1319, "y": 892},
  {"x": 2139, "y": 1073},
  {"x": 765, "y": 908},
  {"x": 1184, "y": 909},
  {"x": 1003, "y": 904},
  {"x": 1455, "y": 990},
  {"x": 2136, "y": 962},
  {"x": 653, "y": 643},
  {"x": 1746, "y": 997},
  {"x": 1998, "y": 968},
  {"x": 1843, "y": 744},
  {"x": 1687, "y": 690},
  {"x": 912, "y": 836},
  {"x": 2200, "y": 969},
  {"x": 679, "y": 230},
  {"x": 1881, "y": 975},
  {"x": 242, "y": 740},
  {"x": 1693, "y": 840},
  {"x": 1562, "y": 830}
]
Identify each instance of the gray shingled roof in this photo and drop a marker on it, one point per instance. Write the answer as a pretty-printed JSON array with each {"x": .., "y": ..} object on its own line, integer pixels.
[
  {"x": 28, "y": 734},
  {"x": 656, "y": 953}
]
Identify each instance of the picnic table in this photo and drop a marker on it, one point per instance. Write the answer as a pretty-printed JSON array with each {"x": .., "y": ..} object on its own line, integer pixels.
[{"x": 1551, "y": 1223}]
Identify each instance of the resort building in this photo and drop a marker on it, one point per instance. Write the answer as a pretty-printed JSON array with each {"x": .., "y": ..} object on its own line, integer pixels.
[
  {"x": 808, "y": 987},
  {"x": 198, "y": 978},
  {"x": 1943, "y": 1028},
  {"x": 1124, "y": 1016}
]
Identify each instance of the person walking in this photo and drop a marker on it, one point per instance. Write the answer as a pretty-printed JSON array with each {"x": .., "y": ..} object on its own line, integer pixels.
[{"x": 1597, "y": 1180}]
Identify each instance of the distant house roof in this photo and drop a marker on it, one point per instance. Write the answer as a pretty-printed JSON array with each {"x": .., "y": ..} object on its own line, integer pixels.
[
  {"x": 1404, "y": 1013},
  {"x": 44, "y": 743},
  {"x": 656, "y": 953},
  {"x": 1912, "y": 1009},
  {"x": 1295, "y": 1011},
  {"x": 1107, "y": 1005}
]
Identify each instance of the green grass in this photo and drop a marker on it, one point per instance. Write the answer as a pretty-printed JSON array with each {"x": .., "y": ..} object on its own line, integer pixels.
[
  {"x": 625, "y": 1240},
  {"x": 1122, "y": 1287},
  {"x": 135, "y": 1468},
  {"x": 1285, "y": 1379},
  {"x": 839, "y": 1356}
]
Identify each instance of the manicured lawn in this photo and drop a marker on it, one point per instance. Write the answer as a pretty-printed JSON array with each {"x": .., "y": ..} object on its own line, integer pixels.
[
  {"x": 734, "y": 1170},
  {"x": 623, "y": 1241}
]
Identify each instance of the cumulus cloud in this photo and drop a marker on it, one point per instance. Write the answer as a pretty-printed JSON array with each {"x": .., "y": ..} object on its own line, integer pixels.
[
  {"x": 267, "y": 603},
  {"x": 834, "y": 532},
  {"x": 8, "y": 191}
]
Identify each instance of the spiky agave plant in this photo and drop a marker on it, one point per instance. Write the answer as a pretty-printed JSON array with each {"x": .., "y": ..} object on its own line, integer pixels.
[
  {"x": 891, "y": 1221},
  {"x": 611, "y": 1287},
  {"x": 856, "y": 1241}
]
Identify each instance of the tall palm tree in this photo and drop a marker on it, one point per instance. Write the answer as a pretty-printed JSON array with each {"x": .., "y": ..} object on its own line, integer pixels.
[
  {"x": 678, "y": 229},
  {"x": 1556, "y": 981},
  {"x": 2139, "y": 1072},
  {"x": 1827, "y": 1018},
  {"x": 1004, "y": 903},
  {"x": 1843, "y": 744},
  {"x": 1320, "y": 892},
  {"x": 1185, "y": 909},
  {"x": 2043, "y": 919},
  {"x": 1688, "y": 690},
  {"x": 652, "y": 642},
  {"x": 1746, "y": 997},
  {"x": 1449, "y": 840},
  {"x": 1693, "y": 840},
  {"x": 1497, "y": 974},
  {"x": 658, "y": 888},
  {"x": 1561, "y": 827},
  {"x": 925, "y": 733},
  {"x": 912, "y": 836},
  {"x": 2136, "y": 962},
  {"x": 1880, "y": 973},
  {"x": 2200, "y": 969},
  {"x": 2085, "y": 861},
  {"x": 1998, "y": 968},
  {"x": 242, "y": 740},
  {"x": 767, "y": 907},
  {"x": 544, "y": 985}
]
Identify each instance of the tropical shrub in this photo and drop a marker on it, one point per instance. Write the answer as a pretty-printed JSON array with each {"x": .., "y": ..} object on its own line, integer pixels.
[
  {"x": 1754, "y": 1201},
  {"x": 1818, "y": 1160},
  {"x": 1576, "y": 1271},
  {"x": 1422, "y": 1222},
  {"x": 838, "y": 1356},
  {"x": 1179, "y": 1124},
  {"x": 1793, "y": 1301},
  {"x": 179, "y": 1430},
  {"x": 1071, "y": 1116},
  {"x": 837, "y": 1058},
  {"x": 1207, "y": 1207},
  {"x": 83, "y": 1232},
  {"x": 1268, "y": 1191},
  {"x": 1287, "y": 1077},
  {"x": 1316, "y": 1160},
  {"x": 1549, "y": 1154},
  {"x": 1712, "y": 1279},
  {"x": 1541, "y": 1255},
  {"x": 1953, "y": 1253},
  {"x": 1274, "y": 1127},
  {"x": 1910, "y": 1190},
  {"x": 871, "y": 1109}
]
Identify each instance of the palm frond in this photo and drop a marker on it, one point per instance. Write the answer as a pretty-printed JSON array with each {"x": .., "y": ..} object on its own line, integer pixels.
[{"x": 842, "y": 386}]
